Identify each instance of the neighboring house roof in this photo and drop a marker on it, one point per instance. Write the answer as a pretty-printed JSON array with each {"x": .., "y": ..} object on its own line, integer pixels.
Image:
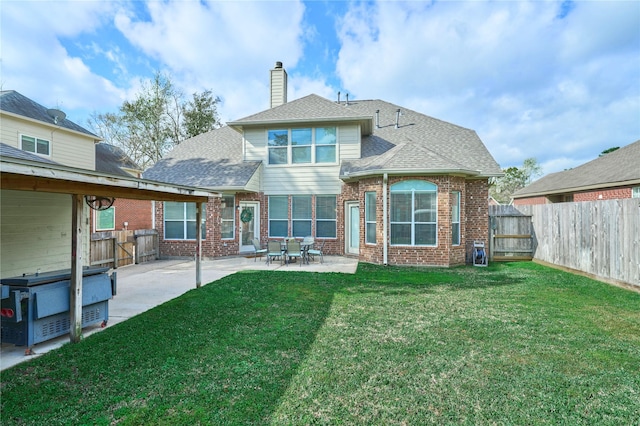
[
  {"x": 13, "y": 152},
  {"x": 617, "y": 168},
  {"x": 111, "y": 159},
  {"x": 420, "y": 144},
  {"x": 16, "y": 103},
  {"x": 210, "y": 160}
]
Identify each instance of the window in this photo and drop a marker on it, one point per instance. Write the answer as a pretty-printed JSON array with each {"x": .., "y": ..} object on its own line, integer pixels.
[
  {"x": 635, "y": 192},
  {"x": 326, "y": 221},
  {"x": 301, "y": 215},
  {"x": 301, "y": 146},
  {"x": 105, "y": 219},
  {"x": 414, "y": 213},
  {"x": 228, "y": 217},
  {"x": 326, "y": 145},
  {"x": 278, "y": 143},
  {"x": 35, "y": 145},
  {"x": 180, "y": 221},
  {"x": 455, "y": 218},
  {"x": 370, "y": 217},
  {"x": 279, "y": 216}
]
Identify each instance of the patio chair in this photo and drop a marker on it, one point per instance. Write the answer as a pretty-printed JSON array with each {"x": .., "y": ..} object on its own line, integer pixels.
[
  {"x": 274, "y": 251},
  {"x": 294, "y": 251},
  {"x": 258, "y": 248},
  {"x": 313, "y": 252}
]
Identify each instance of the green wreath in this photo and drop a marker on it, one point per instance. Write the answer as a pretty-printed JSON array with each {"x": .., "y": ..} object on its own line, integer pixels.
[{"x": 246, "y": 215}]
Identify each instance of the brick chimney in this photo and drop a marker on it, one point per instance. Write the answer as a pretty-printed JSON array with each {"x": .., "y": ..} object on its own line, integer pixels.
[{"x": 278, "y": 85}]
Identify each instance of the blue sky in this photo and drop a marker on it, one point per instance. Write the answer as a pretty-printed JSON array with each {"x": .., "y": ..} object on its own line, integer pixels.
[{"x": 557, "y": 81}]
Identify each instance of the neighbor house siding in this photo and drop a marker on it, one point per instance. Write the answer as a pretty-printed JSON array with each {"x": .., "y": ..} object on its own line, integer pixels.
[
  {"x": 36, "y": 233},
  {"x": 66, "y": 147}
]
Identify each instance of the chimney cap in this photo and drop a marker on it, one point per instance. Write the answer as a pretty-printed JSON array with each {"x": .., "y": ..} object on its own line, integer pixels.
[{"x": 278, "y": 64}]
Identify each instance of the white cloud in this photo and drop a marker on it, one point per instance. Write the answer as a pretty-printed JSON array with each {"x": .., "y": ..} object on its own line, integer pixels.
[{"x": 531, "y": 84}]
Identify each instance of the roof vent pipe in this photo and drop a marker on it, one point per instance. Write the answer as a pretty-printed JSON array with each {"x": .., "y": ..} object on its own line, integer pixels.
[
  {"x": 347, "y": 101},
  {"x": 377, "y": 119},
  {"x": 338, "y": 97},
  {"x": 398, "y": 118}
]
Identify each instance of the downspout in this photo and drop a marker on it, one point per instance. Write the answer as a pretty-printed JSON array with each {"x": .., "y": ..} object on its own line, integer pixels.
[{"x": 385, "y": 179}]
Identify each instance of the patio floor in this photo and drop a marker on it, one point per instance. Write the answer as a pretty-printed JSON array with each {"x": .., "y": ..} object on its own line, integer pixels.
[{"x": 141, "y": 287}]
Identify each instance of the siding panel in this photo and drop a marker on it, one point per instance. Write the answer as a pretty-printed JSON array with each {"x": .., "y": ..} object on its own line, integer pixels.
[{"x": 36, "y": 232}]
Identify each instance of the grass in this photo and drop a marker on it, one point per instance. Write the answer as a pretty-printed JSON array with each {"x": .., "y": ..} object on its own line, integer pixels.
[{"x": 510, "y": 344}]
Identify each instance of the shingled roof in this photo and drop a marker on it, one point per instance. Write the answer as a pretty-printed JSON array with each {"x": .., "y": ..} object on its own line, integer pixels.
[
  {"x": 620, "y": 167},
  {"x": 210, "y": 160},
  {"x": 16, "y": 103},
  {"x": 13, "y": 152},
  {"x": 418, "y": 144},
  {"x": 111, "y": 159}
]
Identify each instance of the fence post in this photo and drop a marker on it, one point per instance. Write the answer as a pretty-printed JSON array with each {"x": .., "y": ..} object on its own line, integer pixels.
[{"x": 115, "y": 252}]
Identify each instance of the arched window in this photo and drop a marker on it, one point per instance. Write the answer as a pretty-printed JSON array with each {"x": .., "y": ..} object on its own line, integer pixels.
[{"x": 414, "y": 213}]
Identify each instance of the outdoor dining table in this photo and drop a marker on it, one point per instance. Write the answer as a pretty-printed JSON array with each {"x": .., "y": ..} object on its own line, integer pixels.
[{"x": 304, "y": 249}]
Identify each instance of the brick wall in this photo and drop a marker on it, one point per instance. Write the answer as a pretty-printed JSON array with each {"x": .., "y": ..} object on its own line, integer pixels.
[
  {"x": 530, "y": 201},
  {"x": 137, "y": 213},
  {"x": 603, "y": 194},
  {"x": 477, "y": 212}
]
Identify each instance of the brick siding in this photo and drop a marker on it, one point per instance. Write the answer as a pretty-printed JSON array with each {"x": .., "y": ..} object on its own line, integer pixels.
[{"x": 474, "y": 224}]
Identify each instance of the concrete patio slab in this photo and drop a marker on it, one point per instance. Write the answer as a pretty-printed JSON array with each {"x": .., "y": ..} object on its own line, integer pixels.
[{"x": 142, "y": 287}]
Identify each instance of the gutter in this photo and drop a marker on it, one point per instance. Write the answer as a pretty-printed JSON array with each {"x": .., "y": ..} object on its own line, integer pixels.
[{"x": 416, "y": 172}]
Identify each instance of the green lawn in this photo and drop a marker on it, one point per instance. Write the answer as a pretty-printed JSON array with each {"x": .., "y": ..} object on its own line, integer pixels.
[{"x": 514, "y": 343}]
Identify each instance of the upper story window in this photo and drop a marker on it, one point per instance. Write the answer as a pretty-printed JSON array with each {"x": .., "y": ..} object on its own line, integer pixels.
[
  {"x": 414, "y": 213},
  {"x": 35, "y": 145},
  {"x": 302, "y": 145}
]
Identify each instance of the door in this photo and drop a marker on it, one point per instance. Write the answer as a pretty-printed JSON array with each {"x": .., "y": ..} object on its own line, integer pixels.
[
  {"x": 249, "y": 224},
  {"x": 352, "y": 228}
]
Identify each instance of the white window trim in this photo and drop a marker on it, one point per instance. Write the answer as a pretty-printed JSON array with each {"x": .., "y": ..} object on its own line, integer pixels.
[
  {"x": 313, "y": 147},
  {"x": 367, "y": 222},
  {"x": 233, "y": 220},
  {"x": 36, "y": 145},
  {"x": 184, "y": 224},
  {"x": 458, "y": 197},
  {"x": 413, "y": 222},
  {"x": 95, "y": 221},
  {"x": 316, "y": 220}
]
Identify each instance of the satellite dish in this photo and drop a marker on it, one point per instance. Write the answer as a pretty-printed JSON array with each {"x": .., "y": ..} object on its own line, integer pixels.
[{"x": 56, "y": 114}]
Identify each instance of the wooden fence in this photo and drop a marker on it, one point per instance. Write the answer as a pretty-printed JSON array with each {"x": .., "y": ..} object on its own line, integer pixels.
[
  {"x": 121, "y": 248},
  {"x": 601, "y": 238},
  {"x": 511, "y": 234}
]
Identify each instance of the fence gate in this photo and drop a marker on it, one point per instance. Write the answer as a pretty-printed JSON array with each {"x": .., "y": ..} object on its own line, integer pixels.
[
  {"x": 121, "y": 248},
  {"x": 511, "y": 234}
]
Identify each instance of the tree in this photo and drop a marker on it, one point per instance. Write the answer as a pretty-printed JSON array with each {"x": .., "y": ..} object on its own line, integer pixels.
[
  {"x": 156, "y": 120},
  {"x": 609, "y": 150},
  {"x": 201, "y": 114},
  {"x": 514, "y": 179}
]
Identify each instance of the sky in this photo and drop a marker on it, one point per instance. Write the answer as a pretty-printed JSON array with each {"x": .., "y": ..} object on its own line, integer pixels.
[{"x": 558, "y": 81}]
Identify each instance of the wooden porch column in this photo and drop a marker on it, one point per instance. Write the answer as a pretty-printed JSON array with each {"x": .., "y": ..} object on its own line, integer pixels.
[
  {"x": 75, "y": 289},
  {"x": 198, "y": 244}
]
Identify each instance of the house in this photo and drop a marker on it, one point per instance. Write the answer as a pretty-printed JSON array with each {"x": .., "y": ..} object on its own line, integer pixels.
[
  {"x": 39, "y": 221},
  {"x": 125, "y": 214},
  {"x": 612, "y": 176},
  {"x": 371, "y": 179}
]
